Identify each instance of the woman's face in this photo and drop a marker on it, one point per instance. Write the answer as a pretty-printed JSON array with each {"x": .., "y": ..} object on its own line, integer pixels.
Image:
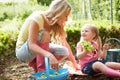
[
  {"x": 63, "y": 18},
  {"x": 87, "y": 34}
]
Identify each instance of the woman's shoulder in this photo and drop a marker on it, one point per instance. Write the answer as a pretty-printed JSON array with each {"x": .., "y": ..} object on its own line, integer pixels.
[
  {"x": 36, "y": 14},
  {"x": 37, "y": 17}
]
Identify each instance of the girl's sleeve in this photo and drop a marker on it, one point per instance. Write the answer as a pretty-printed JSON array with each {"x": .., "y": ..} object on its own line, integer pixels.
[{"x": 79, "y": 46}]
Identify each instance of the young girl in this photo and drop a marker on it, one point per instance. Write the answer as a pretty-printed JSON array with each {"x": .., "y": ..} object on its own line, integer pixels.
[
  {"x": 92, "y": 59},
  {"x": 41, "y": 28}
]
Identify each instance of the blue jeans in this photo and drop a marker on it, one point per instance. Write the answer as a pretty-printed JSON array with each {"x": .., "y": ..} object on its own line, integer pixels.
[{"x": 25, "y": 55}]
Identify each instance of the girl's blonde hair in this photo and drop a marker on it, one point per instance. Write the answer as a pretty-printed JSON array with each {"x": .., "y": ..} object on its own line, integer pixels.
[{"x": 56, "y": 9}]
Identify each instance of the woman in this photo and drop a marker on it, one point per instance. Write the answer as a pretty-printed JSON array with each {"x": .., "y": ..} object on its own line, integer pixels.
[{"x": 41, "y": 28}]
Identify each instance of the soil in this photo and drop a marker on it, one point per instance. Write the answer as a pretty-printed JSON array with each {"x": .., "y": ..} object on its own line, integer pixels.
[{"x": 12, "y": 69}]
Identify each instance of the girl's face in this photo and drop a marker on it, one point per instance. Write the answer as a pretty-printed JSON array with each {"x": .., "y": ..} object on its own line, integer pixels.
[{"x": 87, "y": 34}]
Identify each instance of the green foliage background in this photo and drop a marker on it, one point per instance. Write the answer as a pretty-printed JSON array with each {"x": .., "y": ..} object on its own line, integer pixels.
[{"x": 12, "y": 16}]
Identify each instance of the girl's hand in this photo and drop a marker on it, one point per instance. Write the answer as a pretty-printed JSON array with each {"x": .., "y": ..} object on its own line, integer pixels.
[
  {"x": 87, "y": 45},
  {"x": 103, "y": 53},
  {"x": 86, "y": 51},
  {"x": 105, "y": 46}
]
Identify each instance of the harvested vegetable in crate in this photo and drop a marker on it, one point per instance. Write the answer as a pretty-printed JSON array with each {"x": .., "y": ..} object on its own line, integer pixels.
[{"x": 43, "y": 75}]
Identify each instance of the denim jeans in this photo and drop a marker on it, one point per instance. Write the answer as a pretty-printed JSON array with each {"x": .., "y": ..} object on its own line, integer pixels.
[{"x": 25, "y": 55}]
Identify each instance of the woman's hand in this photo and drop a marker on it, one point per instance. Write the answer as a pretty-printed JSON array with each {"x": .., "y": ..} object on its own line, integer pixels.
[
  {"x": 77, "y": 66},
  {"x": 53, "y": 61}
]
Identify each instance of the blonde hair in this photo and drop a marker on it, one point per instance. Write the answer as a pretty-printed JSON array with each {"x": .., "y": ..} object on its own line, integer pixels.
[{"x": 56, "y": 9}]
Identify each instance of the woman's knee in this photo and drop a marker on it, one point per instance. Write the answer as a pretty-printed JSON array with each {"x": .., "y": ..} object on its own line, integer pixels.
[
  {"x": 58, "y": 49},
  {"x": 45, "y": 37},
  {"x": 60, "y": 58}
]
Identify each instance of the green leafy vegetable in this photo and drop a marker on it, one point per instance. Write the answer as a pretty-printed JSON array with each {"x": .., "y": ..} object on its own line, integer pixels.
[
  {"x": 43, "y": 75},
  {"x": 87, "y": 45},
  {"x": 55, "y": 74}
]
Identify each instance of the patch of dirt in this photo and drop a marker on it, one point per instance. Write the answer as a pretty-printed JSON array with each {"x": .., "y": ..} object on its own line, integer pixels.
[{"x": 12, "y": 69}]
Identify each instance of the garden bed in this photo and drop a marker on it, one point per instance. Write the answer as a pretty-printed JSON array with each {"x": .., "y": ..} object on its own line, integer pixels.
[{"x": 12, "y": 69}]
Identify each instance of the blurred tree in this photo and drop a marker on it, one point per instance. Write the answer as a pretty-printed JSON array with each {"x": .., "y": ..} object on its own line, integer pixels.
[
  {"x": 117, "y": 10},
  {"x": 44, "y": 2},
  {"x": 84, "y": 7},
  {"x": 89, "y": 10}
]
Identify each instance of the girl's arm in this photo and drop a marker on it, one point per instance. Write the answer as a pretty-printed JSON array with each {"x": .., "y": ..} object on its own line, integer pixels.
[
  {"x": 103, "y": 53},
  {"x": 81, "y": 53}
]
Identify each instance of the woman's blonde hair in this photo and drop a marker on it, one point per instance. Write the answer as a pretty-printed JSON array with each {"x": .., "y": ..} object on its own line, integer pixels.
[{"x": 56, "y": 9}]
